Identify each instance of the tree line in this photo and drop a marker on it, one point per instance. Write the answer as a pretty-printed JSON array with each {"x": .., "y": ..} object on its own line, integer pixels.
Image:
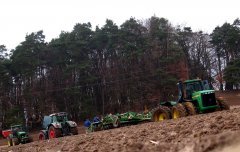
[{"x": 113, "y": 68}]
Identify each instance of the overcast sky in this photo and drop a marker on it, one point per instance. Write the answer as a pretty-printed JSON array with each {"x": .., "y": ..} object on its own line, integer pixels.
[{"x": 19, "y": 17}]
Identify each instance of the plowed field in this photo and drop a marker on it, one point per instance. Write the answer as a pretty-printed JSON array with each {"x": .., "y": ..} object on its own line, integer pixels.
[{"x": 218, "y": 131}]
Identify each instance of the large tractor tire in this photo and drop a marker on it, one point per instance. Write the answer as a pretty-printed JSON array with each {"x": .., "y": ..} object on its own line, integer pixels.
[
  {"x": 54, "y": 132},
  {"x": 168, "y": 110},
  {"x": 9, "y": 141},
  {"x": 30, "y": 139},
  {"x": 74, "y": 130},
  {"x": 223, "y": 105},
  {"x": 191, "y": 110},
  {"x": 178, "y": 111},
  {"x": 41, "y": 136},
  {"x": 15, "y": 141},
  {"x": 160, "y": 113}
]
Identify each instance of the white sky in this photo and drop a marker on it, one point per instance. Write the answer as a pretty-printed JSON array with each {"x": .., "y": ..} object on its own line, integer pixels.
[{"x": 19, "y": 17}]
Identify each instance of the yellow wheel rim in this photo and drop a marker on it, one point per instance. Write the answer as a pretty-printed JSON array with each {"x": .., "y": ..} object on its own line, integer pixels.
[
  {"x": 161, "y": 117},
  {"x": 176, "y": 114}
]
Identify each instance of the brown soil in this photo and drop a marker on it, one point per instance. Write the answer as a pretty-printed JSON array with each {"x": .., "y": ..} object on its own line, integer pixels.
[
  {"x": 217, "y": 132},
  {"x": 233, "y": 97}
]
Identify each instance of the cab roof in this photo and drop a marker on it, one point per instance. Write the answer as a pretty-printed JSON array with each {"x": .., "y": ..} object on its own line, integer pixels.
[
  {"x": 58, "y": 114},
  {"x": 16, "y": 126},
  {"x": 193, "y": 80}
]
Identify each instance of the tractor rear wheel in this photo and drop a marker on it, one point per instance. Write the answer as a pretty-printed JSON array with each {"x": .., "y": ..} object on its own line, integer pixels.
[
  {"x": 178, "y": 111},
  {"x": 15, "y": 141},
  {"x": 191, "y": 110},
  {"x": 74, "y": 130},
  {"x": 41, "y": 136},
  {"x": 53, "y": 132},
  {"x": 160, "y": 113},
  {"x": 9, "y": 141},
  {"x": 223, "y": 105}
]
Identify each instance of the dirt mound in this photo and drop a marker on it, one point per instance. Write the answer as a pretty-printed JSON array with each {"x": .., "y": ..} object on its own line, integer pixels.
[{"x": 233, "y": 97}]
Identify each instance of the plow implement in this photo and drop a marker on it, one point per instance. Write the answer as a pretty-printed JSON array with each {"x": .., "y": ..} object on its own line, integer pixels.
[{"x": 118, "y": 120}]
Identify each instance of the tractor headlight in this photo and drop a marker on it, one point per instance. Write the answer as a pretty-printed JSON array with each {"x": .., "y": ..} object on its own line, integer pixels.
[
  {"x": 58, "y": 125},
  {"x": 74, "y": 123}
]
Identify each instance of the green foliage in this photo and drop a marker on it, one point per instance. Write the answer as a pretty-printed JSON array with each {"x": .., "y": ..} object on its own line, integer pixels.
[
  {"x": 132, "y": 38},
  {"x": 14, "y": 116},
  {"x": 87, "y": 72},
  {"x": 232, "y": 72},
  {"x": 27, "y": 56},
  {"x": 226, "y": 40},
  {"x": 3, "y": 52}
]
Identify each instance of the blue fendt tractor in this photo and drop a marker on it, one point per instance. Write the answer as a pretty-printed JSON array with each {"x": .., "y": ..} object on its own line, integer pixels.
[{"x": 57, "y": 125}]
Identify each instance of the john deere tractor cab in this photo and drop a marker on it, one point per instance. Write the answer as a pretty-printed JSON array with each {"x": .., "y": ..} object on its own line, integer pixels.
[
  {"x": 199, "y": 94},
  {"x": 57, "y": 125},
  {"x": 195, "y": 96}
]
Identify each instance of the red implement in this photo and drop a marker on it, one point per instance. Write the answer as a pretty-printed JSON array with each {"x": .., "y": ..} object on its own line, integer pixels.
[{"x": 6, "y": 133}]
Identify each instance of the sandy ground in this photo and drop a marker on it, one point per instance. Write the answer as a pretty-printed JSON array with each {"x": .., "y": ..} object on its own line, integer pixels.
[{"x": 217, "y": 132}]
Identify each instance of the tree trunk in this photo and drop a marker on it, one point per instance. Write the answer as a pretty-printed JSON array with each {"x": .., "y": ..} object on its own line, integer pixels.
[{"x": 220, "y": 72}]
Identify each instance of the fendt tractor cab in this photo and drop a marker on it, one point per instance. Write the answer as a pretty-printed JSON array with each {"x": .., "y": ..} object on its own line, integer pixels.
[
  {"x": 195, "y": 96},
  {"x": 57, "y": 125}
]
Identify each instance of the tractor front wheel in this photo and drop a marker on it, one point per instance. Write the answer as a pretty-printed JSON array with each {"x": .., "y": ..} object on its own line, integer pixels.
[
  {"x": 191, "y": 110},
  {"x": 9, "y": 141},
  {"x": 15, "y": 141},
  {"x": 30, "y": 139},
  {"x": 223, "y": 105},
  {"x": 41, "y": 136},
  {"x": 53, "y": 132},
  {"x": 74, "y": 130},
  {"x": 178, "y": 111},
  {"x": 160, "y": 113}
]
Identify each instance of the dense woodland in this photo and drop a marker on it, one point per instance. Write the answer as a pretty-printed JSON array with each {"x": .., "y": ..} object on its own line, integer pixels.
[{"x": 97, "y": 70}]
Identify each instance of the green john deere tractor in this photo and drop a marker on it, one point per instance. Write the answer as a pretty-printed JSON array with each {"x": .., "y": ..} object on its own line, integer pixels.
[
  {"x": 16, "y": 135},
  {"x": 195, "y": 96}
]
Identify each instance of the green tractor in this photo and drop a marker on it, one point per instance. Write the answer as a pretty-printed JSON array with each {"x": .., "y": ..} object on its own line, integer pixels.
[
  {"x": 16, "y": 135},
  {"x": 195, "y": 96},
  {"x": 57, "y": 125}
]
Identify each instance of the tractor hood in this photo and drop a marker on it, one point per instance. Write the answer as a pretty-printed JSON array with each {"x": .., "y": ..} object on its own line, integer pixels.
[
  {"x": 57, "y": 125},
  {"x": 21, "y": 133},
  {"x": 62, "y": 124},
  {"x": 199, "y": 93},
  {"x": 72, "y": 123}
]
